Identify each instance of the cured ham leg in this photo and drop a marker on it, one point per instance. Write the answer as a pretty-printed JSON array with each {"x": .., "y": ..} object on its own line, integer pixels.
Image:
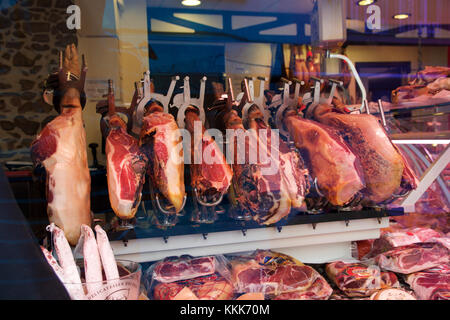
[
  {"x": 126, "y": 165},
  {"x": 382, "y": 164},
  {"x": 328, "y": 158},
  {"x": 162, "y": 143},
  {"x": 212, "y": 176},
  {"x": 61, "y": 149},
  {"x": 293, "y": 175},
  {"x": 262, "y": 195}
]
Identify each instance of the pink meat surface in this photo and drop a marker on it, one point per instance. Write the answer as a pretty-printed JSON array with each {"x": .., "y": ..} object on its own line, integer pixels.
[
  {"x": 413, "y": 258},
  {"x": 184, "y": 268}
]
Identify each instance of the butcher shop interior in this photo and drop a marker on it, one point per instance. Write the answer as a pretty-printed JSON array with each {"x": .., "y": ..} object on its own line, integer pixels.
[{"x": 225, "y": 150}]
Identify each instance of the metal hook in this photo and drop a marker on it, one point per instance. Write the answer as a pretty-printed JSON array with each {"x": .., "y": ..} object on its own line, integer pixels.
[
  {"x": 383, "y": 117},
  {"x": 317, "y": 85},
  {"x": 205, "y": 236},
  {"x": 166, "y": 239},
  {"x": 206, "y": 204},
  {"x": 333, "y": 89},
  {"x": 166, "y": 211},
  {"x": 183, "y": 101},
  {"x": 366, "y": 105},
  {"x": 314, "y": 225},
  {"x": 347, "y": 222},
  {"x": 316, "y": 187},
  {"x": 279, "y": 228},
  {"x": 244, "y": 232}
]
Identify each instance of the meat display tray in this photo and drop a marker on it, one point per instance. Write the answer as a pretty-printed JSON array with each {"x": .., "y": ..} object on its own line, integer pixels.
[{"x": 224, "y": 223}]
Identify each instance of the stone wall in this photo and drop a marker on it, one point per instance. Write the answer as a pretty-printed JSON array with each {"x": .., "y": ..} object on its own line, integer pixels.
[{"x": 32, "y": 32}]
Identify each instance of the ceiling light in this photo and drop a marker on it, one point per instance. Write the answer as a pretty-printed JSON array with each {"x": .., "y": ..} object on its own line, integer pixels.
[
  {"x": 366, "y": 2},
  {"x": 402, "y": 16},
  {"x": 191, "y": 3}
]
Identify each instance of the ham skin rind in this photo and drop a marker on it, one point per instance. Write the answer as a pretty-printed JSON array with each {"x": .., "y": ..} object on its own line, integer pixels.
[
  {"x": 327, "y": 158},
  {"x": 61, "y": 149},
  {"x": 382, "y": 164}
]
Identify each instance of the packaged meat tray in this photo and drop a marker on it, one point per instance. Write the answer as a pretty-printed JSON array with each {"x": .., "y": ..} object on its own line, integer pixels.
[
  {"x": 430, "y": 285},
  {"x": 189, "y": 278},
  {"x": 356, "y": 279},
  {"x": 413, "y": 258},
  {"x": 278, "y": 277},
  {"x": 393, "y": 238}
]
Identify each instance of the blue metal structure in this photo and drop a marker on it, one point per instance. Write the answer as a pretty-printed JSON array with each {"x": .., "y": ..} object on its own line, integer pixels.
[{"x": 272, "y": 28}]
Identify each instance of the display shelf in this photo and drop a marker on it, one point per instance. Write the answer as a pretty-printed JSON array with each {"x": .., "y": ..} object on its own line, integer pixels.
[
  {"x": 441, "y": 104},
  {"x": 309, "y": 238}
]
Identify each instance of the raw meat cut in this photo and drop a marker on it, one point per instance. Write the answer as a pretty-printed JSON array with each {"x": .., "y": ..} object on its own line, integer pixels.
[
  {"x": 430, "y": 74},
  {"x": 275, "y": 275},
  {"x": 126, "y": 165},
  {"x": 61, "y": 149},
  {"x": 161, "y": 141},
  {"x": 392, "y": 294},
  {"x": 212, "y": 287},
  {"x": 356, "y": 279},
  {"x": 385, "y": 170},
  {"x": 400, "y": 237},
  {"x": 170, "y": 270},
  {"x": 410, "y": 236},
  {"x": 428, "y": 83},
  {"x": 327, "y": 157},
  {"x": 413, "y": 258},
  {"x": 430, "y": 286},
  {"x": 211, "y": 176},
  {"x": 319, "y": 290}
]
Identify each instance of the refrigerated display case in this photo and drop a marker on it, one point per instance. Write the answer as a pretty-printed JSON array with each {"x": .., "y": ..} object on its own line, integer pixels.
[{"x": 351, "y": 173}]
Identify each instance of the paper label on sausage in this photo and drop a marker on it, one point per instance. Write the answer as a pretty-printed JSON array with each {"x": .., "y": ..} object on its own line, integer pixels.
[{"x": 127, "y": 289}]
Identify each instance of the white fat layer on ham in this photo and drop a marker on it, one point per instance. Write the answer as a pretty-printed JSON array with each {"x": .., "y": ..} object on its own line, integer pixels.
[
  {"x": 174, "y": 167},
  {"x": 69, "y": 179}
]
